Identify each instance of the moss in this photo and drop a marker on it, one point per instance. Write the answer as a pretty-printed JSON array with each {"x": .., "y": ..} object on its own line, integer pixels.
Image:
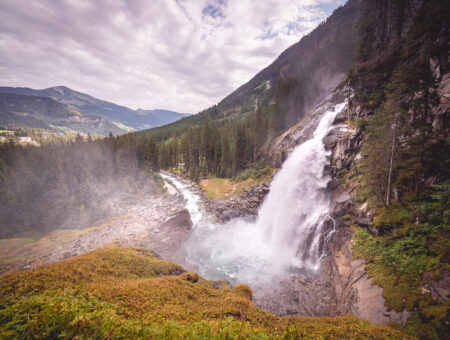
[
  {"x": 126, "y": 292},
  {"x": 397, "y": 264},
  {"x": 393, "y": 216},
  {"x": 437, "y": 275}
]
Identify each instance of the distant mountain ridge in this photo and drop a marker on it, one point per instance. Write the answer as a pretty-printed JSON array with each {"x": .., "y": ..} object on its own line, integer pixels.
[
  {"x": 124, "y": 118},
  {"x": 47, "y": 113}
]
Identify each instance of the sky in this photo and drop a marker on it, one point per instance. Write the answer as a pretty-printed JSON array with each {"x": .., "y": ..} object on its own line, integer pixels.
[{"x": 181, "y": 55}]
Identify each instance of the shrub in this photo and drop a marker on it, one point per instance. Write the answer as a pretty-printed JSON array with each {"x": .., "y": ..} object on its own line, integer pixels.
[{"x": 244, "y": 290}]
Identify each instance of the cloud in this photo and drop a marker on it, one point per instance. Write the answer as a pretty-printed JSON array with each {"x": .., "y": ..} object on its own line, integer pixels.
[{"x": 183, "y": 55}]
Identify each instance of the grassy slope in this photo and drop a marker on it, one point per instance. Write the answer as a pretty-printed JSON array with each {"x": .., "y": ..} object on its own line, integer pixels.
[
  {"x": 124, "y": 292},
  {"x": 224, "y": 188}
]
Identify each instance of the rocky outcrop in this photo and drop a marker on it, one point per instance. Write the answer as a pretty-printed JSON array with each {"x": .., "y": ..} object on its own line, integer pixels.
[
  {"x": 276, "y": 152},
  {"x": 244, "y": 204},
  {"x": 440, "y": 113},
  {"x": 354, "y": 291}
]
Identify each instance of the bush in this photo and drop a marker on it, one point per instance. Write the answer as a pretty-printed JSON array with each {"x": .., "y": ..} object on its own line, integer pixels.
[
  {"x": 393, "y": 216},
  {"x": 254, "y": 173}
]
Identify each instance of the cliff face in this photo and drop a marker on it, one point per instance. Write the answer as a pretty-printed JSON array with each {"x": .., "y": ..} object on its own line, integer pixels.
[
  {"x": 352, "y": 290},
  {"x": 402, "y": 70}
]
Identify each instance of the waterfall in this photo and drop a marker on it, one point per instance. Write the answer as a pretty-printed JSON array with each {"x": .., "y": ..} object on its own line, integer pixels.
[{"x": 290, "y": 231}]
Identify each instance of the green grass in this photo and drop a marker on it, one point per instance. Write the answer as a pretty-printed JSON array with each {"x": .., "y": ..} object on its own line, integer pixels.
[
  {"x": 64, "y": 129},
  {"x": 224, "y": 188},
  {"x": 257, "y": 174},
  {"x": 126, "y": 292}
]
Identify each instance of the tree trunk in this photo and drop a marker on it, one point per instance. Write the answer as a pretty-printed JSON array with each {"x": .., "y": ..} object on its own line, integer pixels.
[{"x": 391, "y": 162}]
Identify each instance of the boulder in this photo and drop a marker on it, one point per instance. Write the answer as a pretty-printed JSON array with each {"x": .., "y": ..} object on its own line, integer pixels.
[{"x": 180, "y": 219}]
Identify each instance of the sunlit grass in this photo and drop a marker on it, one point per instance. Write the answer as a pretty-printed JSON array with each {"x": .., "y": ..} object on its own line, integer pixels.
[{"x": 223, "y": 188}]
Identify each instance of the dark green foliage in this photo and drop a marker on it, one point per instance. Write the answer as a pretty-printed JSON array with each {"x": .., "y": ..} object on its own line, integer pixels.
[
  {"x": 392, "y": 79},
  {"x": 403, "y": 155},
  {"x": 400, "y": 260},
  {"x": 435, "y": 207}
]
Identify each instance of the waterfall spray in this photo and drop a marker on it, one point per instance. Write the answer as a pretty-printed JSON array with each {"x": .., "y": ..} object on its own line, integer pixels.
[{"x": 292, "y": 227}]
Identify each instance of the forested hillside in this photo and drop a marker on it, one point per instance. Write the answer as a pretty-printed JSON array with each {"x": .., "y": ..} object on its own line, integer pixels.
[
  {"x": 226, "y": 138},
  {"x": 399, "y": 110},
  {"x": 390, "y": 161}
]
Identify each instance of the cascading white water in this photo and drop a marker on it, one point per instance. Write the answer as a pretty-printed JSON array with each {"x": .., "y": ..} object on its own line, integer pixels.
[{"x": 290, "y": 231}]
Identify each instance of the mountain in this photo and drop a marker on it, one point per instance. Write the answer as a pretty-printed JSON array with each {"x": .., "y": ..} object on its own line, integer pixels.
[
  {"x": 300, "y": 78},
  {"x": 159, "y": 117},
  {"x": 47, "y": 113},
  {"x": 228, "y": 138},
  {"x": 124, "y": 117}
]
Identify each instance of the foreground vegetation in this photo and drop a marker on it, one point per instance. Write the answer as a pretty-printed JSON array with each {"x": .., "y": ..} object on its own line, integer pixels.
[{"x": 124, "y": 292}]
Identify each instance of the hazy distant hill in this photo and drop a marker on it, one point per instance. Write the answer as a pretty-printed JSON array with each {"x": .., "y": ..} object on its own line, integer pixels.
[
  {"x": 160, "y": 117},
  {"x": 124, "y": 117},
  {"x": 47, "y": 113}
]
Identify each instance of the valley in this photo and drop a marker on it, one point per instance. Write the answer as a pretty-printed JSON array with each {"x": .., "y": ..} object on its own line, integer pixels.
[
  {"x": 312, "y": 202},
  {"x": 64, "y": 110}
]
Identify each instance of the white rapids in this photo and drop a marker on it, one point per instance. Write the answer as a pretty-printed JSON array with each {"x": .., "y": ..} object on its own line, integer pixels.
[{"x": 290, "y": 232}]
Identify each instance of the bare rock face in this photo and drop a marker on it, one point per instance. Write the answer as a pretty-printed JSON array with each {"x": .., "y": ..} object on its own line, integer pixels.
[
  {"x": 276, "y": 153},
  {"x": 440, "y": 113},
  {"x": 355, "y": 292},
  {"x": 439, "y": 288}
]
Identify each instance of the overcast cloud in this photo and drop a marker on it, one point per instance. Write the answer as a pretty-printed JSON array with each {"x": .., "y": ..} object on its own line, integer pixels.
[{"x": 181, "y": 55}]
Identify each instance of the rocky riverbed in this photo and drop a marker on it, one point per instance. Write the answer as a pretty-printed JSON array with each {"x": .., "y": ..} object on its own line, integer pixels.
[{"x": 159, "y": 222}]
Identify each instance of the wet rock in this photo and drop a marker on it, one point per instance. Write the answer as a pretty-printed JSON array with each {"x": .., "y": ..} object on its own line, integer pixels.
[
  {"x": 340, "y": 118},
  {"x": 362, "y": 221}
]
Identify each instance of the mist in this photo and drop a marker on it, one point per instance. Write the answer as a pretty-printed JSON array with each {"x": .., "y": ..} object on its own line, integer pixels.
[
  {"x": 69, "y": 185},
  {"x": 290, "y": 232}
]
